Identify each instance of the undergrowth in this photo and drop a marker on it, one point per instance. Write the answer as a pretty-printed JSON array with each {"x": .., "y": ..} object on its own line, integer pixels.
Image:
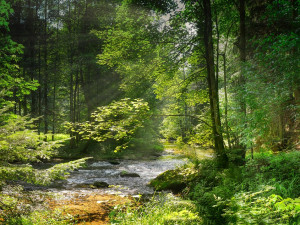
[
  {"x": 162, "y": 209},
  {"x": 18, "y": 207},
  {"x": 222, "y": 197}
]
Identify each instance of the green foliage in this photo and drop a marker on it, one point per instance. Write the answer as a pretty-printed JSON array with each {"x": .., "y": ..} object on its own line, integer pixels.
[
  {"x": 271, "y": 78},
  {"x": 118, "y": 121},
  {"x": 20, "y": 146},
  {"x": 164, "y": 209},
  {"x": 256, "y": 208},
  {"x": 129, "y": 47},
  {"x": 19, "y": 143},
  {"x": 280, "y": 171},
  {"x": 57, "y": 136},
  {"x": 11, "y": 84},
  {"x": 212, "y": 189}
]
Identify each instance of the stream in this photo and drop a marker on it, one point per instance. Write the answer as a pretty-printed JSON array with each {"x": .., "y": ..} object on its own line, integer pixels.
[
  {"x": 130, "y": 177},
  {"x": 124, "y": 177},
  {"x": 124, "y": 180}
]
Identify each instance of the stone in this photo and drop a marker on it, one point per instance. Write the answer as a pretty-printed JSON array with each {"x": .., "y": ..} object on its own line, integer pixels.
[
  {"x": 126, "y": 174},
  {"x": 114, "y": 162},
  {"x": 101, "y": 184}
]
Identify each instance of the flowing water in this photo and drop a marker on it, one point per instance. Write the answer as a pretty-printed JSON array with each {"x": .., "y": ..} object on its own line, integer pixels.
[
  {"x": 139, "y": 173},
  {"x": 143, "y": 172}
]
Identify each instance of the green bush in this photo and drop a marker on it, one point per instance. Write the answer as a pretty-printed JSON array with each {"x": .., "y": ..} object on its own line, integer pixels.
[
  {"x": 257, "y": 208},
  {"x": 212, "y": 188},
  {"x": 279, "y": 170},
  {"x": 206, "y": 188}
]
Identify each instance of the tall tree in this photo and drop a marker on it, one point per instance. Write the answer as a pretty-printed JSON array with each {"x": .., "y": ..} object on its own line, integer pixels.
[{"x": 212, "y": 86}]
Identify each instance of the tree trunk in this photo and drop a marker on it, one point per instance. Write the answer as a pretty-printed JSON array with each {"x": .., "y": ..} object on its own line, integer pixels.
[
  {"x": 212, "y": 86},
  {"x": 226, "y": 101},
  {"x": 225, "y": 88},
  {"x": 242, "y": 48},
  {"x": 217, "y": 52},
  {"x": 56, "y": 63},
  {"x": 31, "y": 51},
  {"x": 25, "y": 110},
  {"x": 53, "y": 110},
  {"x": 46, "y": 72},
  {"x": 39, "y": 90},
  {"x": 71, "y": 84}
]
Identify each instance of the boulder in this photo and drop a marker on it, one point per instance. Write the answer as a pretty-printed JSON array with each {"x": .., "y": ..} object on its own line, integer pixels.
[
  {"x": 127, "y": 174},
  {"x": 113, "y": 162},
  {"x": 100, "y": 184}
]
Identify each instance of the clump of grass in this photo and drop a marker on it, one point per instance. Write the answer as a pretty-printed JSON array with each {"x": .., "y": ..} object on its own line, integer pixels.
[
  {"x": 162, "y": 209},
  {"x": 45, "y": 217}
]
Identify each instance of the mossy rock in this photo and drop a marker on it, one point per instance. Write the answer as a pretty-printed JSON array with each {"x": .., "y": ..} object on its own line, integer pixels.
[
  {"x": 101, "y": 184},
  {"x": 169, "y": 180},
  {"x": 174, "y": 180},
  {"x": 114, "y": 162},
  {"x": 127, "y": 174}
]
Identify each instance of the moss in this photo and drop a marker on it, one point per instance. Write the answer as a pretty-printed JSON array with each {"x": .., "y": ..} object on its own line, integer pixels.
[{"x": 174, "y": 180}]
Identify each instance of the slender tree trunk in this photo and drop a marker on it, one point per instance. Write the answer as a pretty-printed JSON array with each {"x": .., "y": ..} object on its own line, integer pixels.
[
  {"x": 71, "y": 81},
  {"x": 84, "y": 80},
  {"x": 225, "y": 89},
  {"x": 24, "y": 100},
  {"x": 25, "y": 109},
  {"x": 39, "y": 89},
  {"x": 76, "y": 95},
  {"x": 46, "y": 79},
  {"x": 15, "y": 100},
  {"x": 242, "y": 10},
  {"x": 226, "y": 101},
  {"x": 19, "y": 106},
  {"x": 30, "y": 26},
  {"x": 72, "y": 119},
  {"x": 217, "y": 52},
  {"x": 53, "y": 108},
  {"x": 78, "y": 104},
  {"x": 212, "y": 86},
  {"x": 55, "y": 75},
  {"x": 242, "y": 48}
]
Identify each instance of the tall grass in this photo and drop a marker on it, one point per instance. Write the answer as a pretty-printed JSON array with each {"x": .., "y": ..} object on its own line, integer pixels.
[{"x": 162, "y": 209}]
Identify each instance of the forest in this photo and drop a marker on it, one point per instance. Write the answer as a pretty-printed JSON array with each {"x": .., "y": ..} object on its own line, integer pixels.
[{"x": 149, "y": 112}]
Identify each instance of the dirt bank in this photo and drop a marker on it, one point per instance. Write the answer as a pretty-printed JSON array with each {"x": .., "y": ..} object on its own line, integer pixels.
[{"x": 89, "y": 209}]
